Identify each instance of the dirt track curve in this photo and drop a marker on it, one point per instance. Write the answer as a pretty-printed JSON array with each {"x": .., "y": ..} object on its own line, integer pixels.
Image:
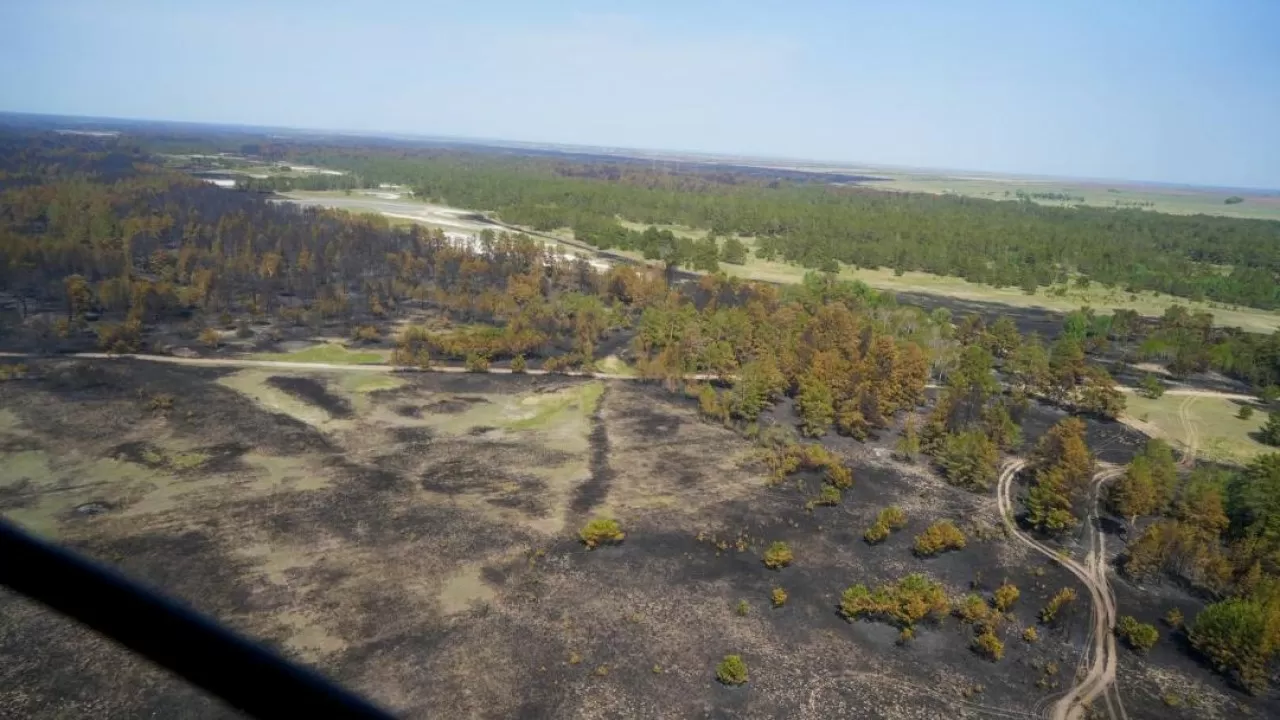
[{"x": 1100, "y": 678}]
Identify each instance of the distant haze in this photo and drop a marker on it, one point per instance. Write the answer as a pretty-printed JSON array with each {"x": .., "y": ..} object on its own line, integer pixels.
[{"x": 1161, "y": 90}]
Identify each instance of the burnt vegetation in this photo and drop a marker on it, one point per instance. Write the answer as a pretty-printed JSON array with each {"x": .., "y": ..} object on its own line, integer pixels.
[{"x": 103, "y": 248}]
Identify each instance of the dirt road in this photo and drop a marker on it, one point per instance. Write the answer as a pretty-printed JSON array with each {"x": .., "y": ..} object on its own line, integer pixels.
[
  {"x": 292, "y": 365},
  {"x": 1101, "y": 675}
]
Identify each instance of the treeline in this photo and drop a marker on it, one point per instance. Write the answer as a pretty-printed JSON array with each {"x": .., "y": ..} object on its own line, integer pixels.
[
  {"x": 1183, "y": 341},
  {"x": 1217, "y": 532},
  {"x": 815, "y": 224}
]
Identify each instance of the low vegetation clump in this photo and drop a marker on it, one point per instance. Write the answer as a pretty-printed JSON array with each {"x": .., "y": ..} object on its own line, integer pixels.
[
  {"x": 779, "y": 597},
  {"x": 477, "y": 363},
  {"x": 366, "y": 333},
  {"x": 210, "y": 338},
  {"x": 938, "y": 538},
  {"x": 1050, "y": 611},
  {"x": 1174, "y": 618},
  {"x": 904, "y": 603},
  {"x": 518, "y": 364},
  {"x": 972, "y": 609},
  {"x": 988, "y": 645},
  {"x": 1138, "y": 636},
  {"x": 1005, "y": 596},
  {"x": 876, "y": 534},
  {"x": 890, "y": 519},
  {"x": 732, "y": 670},
  {"x": 787, "y": 457},
  {"x": 742, "y": 608},
  {"x": 1245, "y": 412},
  {"x": 12, "y": 372},
  {"x": 601, "y": 531},
  {"x": 829, "y": 496},
  {"x": 1150, "y": 387},
  {"x": 1030, "y": 635},
  {"x": 778, "y": 556}
]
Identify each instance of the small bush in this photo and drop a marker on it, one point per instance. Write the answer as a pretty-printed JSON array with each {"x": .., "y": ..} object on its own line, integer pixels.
[
  {"x": 732, "y": 670},
  {"x": 742, "y": 608},
  {"x": 1030, "y": 635},
  {"x": 876, "y": 533},
  {"x": 906, "y": 635},
  {"x": 1005, "y": 596},
  {"x": 892, "y": 517},
  {"x": 1050, "y": 611},
  {"x": 828, "y": 496},
  {"x": 972, "y": 609},
  {"x": 1138, "y": 636},
  {"x": 1246, "y": 412},
  {"x": 779, "y": 597},
  {"x": 910, "y": 600},
  {"x": 210, "y": 338},
  {"x": 477, "y": 363},
  {"x": 160, "y": 402},
  {"x": 839, "y": 476},
  {"x": 778, "y": 556},
  {"x": 988, "y": 645},
  {"x": 518, "y": 364},
  {"x": 366, "y": 333},
  {"x": 1174, "y": 618},
  {"x": 601, "y": 531},
  {"x": 939, "y": 537}
]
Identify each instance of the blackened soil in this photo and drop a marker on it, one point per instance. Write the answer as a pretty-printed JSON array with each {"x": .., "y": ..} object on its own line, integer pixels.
[
  {"x": 593, "y": 491},
  {"x": 313, "y": 392}
]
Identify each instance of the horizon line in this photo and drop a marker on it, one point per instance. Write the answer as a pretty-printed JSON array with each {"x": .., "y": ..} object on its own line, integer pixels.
[{"x": 833, "y": 166}]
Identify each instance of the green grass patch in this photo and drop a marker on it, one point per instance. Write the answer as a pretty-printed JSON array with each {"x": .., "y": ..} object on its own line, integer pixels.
[
  {"x": 367, "y": 383},
  {"x": 551, "y": 410},
  {"x": 329, "y": 353},
  {"x": 1221, "y": 436}
]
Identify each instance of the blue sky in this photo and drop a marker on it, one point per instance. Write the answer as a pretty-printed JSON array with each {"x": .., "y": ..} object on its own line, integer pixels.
[{"x": 1165, "y": 90}]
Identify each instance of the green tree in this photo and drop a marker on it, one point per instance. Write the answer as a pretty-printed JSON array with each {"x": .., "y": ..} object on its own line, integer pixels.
[
  {"x": 1270, "y": 432},
  {"x": 733, "y": 252},
  {"x": 1151, "y": 387},
  {"x": 815, "y": 405},
  {"x": 968, "y": 459}
]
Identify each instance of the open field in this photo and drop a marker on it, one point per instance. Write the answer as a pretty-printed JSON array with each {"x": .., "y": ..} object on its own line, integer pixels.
[
  {"x": 1263, "y": 205},
  {"x": 1057, "y": 300},
  {"x": 1206, "y": 425},
  {"x": 414, "y": 537}
]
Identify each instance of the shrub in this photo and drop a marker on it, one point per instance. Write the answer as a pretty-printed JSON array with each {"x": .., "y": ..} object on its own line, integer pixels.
[
  {"x": 1150, "y": 387},
  {"x": 601, "y": 531},
  {"x": 1236, "y": 636},
  {"x": 1174, "y": 618},
  {"x": 1030, "y": 635},
  {"x": 910, "y": 600},
  {"x": 988, "y": 645},
  {"x": 778, "y": 556},
  {"x": 876, "y": 533},
  {"x": 1246, "y": 412},
  {"x": 477, "y": 363},
  {"x": 366, "y": 333},
  {"x": 839, "y": 476},
  {"x": 828, "y": 496},
  {"x": 210, "y": 338},
  {"x": 160, "y": 402},
  {"x": 779, "y": 597},
  {"x": 518, "y": 364},
  {"x": 1005, "y": 596},
  {"x": 892, "y": 517},
  {"x": 123, "y": 338},
  {"x": 939, "y": 537},
  {"x": 906, "y": 635},
  {"x": 1136, "y": 635},
  {"x": 12, "y": 372},
  {"x": 742, "y": 608},
  {"x": 1050, "y": 611},
  {"x": 972, "y": 609},
  {"x": 732, "y": 670}
]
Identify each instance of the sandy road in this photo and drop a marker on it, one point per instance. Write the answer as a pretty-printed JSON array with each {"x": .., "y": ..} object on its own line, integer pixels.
[
  {"x": 1101, "y": 675},
  {"x": 292, "y": 365},
  {"x": 1189, "y": 428}
]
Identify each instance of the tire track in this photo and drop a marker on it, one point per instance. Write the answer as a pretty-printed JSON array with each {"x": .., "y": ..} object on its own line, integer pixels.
[{"x": 1101, "y": 646}]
